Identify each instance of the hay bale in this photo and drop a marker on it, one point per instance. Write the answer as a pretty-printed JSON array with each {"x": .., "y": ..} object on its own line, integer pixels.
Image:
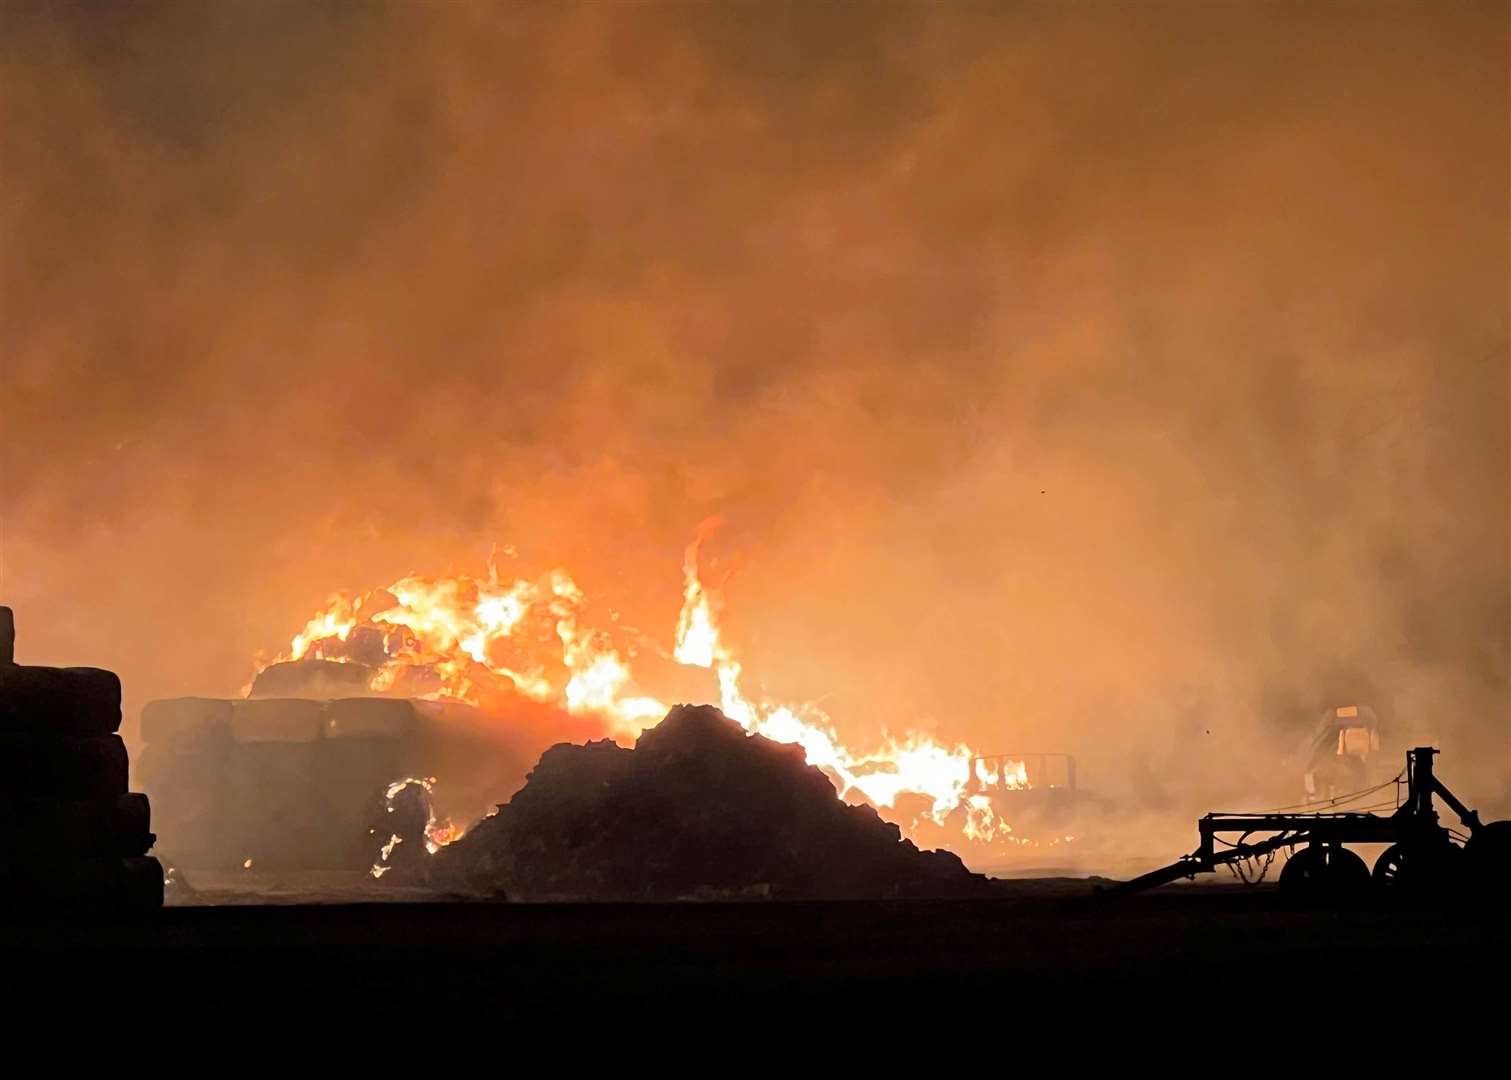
[
  {"x": 186, "y": 718},
  {"x": 64, "y": 767},
  {"x": 309, "y": 678},
  {"x": 367, "y": 717},
  {"x": 277, "y": 720},
  {"x": 275, "y": 810},
  {"x": 73, "y": 701},
  {"x": 188, "y": 781},
  {"x": 115, "y": 884},
  {"x": 36, "y": 828}
]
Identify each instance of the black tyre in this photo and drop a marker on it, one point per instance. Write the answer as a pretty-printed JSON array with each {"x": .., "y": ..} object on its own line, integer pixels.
[
  {"x": 1487, "y": 858},
  {"x": 1416, "y": 869},
  {"x": 1325, "y": 874},
  {"x": 1392, "y": 872}
]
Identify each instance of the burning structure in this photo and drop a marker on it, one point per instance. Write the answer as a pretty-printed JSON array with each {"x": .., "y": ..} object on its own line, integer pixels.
[
  {"x": 1055, "y": 366},
  {"x": 446, "y": 689},
  {"x": 301, "y": 783}
]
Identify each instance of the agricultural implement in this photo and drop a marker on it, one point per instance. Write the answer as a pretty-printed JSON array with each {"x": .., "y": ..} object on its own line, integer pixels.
[{"x": 1423, "y": 856}]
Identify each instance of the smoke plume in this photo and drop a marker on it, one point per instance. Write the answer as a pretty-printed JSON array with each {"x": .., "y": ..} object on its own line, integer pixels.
[{"x": 1131, "y": 381}]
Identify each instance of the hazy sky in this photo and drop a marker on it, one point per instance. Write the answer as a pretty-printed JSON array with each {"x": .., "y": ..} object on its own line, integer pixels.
[{"x": 1063, "y": 372}]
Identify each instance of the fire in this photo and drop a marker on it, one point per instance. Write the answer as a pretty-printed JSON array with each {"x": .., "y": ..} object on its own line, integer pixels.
[
  {"x": 1012, "y": 775},
  {"x": 697, "y": 630},
  {"x": 437, "y": 833},
  {"x": 480, "y": 640},
  {"x": 916, "y": 763},
  {"x": 337, "y": 622}
]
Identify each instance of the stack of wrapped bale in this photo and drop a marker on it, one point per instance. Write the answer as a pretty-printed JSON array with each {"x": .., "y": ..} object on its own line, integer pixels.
[{"x": 70, "y": 833}]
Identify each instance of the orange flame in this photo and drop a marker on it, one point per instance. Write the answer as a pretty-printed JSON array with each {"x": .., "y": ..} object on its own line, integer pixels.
[
  {"x": 915, "y": 763},
  {"x": 437, "y": 833},
  {"x": 480, "y": 640}
]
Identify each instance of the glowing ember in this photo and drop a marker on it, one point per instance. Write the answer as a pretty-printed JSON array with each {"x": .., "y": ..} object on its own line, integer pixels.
[
  {"x": 483, "y": 640},
  {"x": 437, "y": 833}
]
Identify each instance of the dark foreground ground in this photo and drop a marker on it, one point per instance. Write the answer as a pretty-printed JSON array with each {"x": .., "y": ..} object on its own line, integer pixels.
[{"x": 1014, "y": 962}]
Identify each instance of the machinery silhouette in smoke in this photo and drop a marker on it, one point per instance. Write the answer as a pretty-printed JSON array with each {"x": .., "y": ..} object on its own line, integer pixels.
[{"x": 1424, "y": 857}]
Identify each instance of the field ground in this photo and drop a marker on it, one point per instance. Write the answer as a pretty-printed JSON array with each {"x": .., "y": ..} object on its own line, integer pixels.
[{"x": 1045, "y": 951}]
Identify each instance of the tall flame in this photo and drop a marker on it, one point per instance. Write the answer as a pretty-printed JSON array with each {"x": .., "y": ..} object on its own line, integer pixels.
[{"x": 916, "y": 763}]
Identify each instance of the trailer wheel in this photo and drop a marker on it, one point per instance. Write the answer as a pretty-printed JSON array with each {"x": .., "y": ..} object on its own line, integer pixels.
[
  {"x": 1391, "y": 872},
  {"x": 1488, "y": 858},
  {"x": 1403, "y": 868},
  {"x": 1325, "y": 874}
]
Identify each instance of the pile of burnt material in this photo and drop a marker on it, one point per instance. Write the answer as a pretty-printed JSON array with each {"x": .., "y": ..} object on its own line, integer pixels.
[
  {"x": 70, "y": 833},
  {"x": 698, "y": 809}
]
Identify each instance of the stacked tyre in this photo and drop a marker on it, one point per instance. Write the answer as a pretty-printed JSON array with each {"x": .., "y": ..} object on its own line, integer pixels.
[{"x": 70, "y": 832}]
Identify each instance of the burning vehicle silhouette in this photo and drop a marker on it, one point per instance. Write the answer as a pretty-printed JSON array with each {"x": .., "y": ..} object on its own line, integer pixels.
[{"x": 1038, "y": 791}]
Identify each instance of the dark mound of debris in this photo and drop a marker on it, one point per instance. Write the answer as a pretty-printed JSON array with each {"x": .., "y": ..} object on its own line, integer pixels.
[{"x": 698, "y": 809}]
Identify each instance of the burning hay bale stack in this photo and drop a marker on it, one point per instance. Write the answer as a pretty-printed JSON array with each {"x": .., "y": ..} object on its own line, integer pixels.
[
  {"x": 698, "y": 809},
  {"x": 293, "y": 784},
  {"x": 70, "y": 832}
]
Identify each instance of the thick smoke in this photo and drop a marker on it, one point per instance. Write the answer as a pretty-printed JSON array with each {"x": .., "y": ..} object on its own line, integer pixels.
[{"x": 1124, "y": 380}]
